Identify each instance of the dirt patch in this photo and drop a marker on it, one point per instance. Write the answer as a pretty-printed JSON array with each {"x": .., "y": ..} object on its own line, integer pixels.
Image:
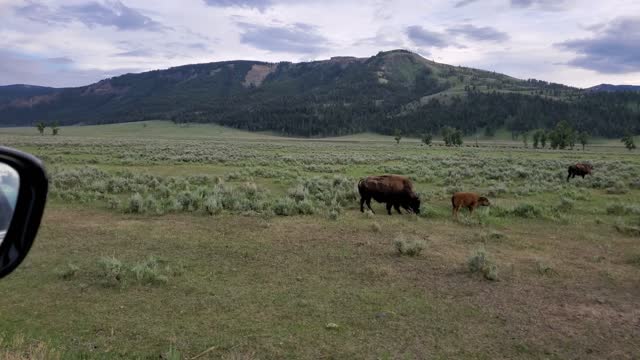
[{"x": 258, "y": 73}]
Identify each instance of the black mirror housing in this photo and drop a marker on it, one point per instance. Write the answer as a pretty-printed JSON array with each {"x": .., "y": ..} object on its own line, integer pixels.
[{"x": 28, "y": 208}]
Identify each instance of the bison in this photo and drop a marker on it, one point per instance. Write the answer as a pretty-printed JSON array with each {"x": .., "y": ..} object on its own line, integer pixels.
[
  {"x": 394, "y": 190},
  {"x": 580, "y": 169},
  {"x": 467, "y": 200}
]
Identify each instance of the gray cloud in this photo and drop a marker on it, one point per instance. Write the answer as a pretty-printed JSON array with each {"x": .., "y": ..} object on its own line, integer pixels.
[
  {"x": 549, "y": 5},
  {"x": 612, "y": 49},
  {"x": 484, "y": 33},
  {"x": 463, "y": 3},
  {"x": 258, "y": 4},
  {"x": 40, "y": 13},
  {"x": 60, "y": 60},
  {"x": 297, "y": 38},
  {"x": 111, "y": 13},
  {"x": 380, "y": 39},
  {"x": 16, "y": 68},
  {"x": 423, "y": 37},
  {"x": 135, "y": 53},
  {"x": 108, "y": 13}
]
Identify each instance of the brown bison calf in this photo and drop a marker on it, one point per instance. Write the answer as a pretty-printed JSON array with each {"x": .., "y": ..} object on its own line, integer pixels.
[
  {"x": 467, "y": 200},
  {"x": 394, "y": 190},
  {"x": 580, "y": 169}
]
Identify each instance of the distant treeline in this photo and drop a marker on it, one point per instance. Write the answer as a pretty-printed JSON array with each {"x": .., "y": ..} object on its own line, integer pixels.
[{"x": 599, "y": 114}]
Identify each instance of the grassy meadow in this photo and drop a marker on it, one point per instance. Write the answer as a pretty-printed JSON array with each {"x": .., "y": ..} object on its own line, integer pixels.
[{"x": 198, "y": 241}]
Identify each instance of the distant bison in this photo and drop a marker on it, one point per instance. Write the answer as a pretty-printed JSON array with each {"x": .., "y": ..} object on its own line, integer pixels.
[
  {"x": 580, "y": 169},
  {"x": 467, "y": 200},
  {"x": 394, "y": 190}
]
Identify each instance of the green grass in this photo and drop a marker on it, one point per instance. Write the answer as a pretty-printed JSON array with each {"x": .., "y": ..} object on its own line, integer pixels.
[
  {"x": 242, "y": 282},
  {"x": 158, "y": 129},
  {"x": 146, "y": 129}
]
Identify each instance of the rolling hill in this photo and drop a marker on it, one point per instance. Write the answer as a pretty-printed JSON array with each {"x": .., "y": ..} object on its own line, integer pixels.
[
  {"x": 343, "y": 95},
  {"x": 11, "y": 93},
  {"x": 614, "y": 88}
]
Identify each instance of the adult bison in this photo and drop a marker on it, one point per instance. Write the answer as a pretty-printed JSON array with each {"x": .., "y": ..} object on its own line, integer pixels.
[
  {"x": 580, "y": 169},
  {"x": 467, "y": 200},
  {"x": 394, "y": 190}
]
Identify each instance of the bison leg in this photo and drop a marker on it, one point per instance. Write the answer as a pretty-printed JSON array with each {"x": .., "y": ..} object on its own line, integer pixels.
[
  {"x": 407, "y": 209},
  {"x": 397, "y": 207},
  {"x": 389, "y": 205},
  {"x": 569, "y": 176},
  {"x": 470, "y": 210},
  {"x": 362, "y": 204},
  {"x": 369, "y": 205},
  {"x": 454, "y": 212}
]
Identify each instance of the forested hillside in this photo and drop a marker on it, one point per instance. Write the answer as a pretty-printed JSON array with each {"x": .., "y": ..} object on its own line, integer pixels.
[{"x": 392, "y": 90}]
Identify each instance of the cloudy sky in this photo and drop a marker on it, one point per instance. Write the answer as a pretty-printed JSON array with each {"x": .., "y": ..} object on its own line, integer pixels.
[{"x": 76, "y": 42}]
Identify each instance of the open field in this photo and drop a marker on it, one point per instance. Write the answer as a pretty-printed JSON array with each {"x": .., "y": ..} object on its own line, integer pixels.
[{"x": 162, "y": 241}]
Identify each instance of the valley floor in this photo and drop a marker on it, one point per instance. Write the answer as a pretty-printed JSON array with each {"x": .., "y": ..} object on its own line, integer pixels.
[{"x": 169, "y": 247}]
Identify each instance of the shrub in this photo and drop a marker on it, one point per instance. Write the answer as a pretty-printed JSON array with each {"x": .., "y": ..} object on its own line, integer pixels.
[
  {"x": 625, "y": 229},
  {"x": 284, "y": 207},
  {"x": 376, "y": 227},
  {"x": 479, "y": 262},
  {"x": 497, "y": 190},
  {"x": 334, "y": 214},
  {"x": 112, "y": 270},
  {"x": 152, "y": 206},
  {"x": 634, "y": 260},
  {"x": 113, "y": 202},
  {"x": 497, "y": 211},
  {"x": 68, "y": 272},
  {"x": 163, "y": 191},
  {"x": 186, "y": 201},
  {"x": 136, "y": 204},
  {"x": 298, "y": 193},
  {"x": 410, "y": 247},
  {"x": 491, "y": 273},
  {"x": 616, "y": 191},
  {"x": 173, "y": 354},
  {"x": 618, "y": 188},
  {"x": 148, "y": 271},
  {"x": 492, "y": 235},
  {"x": 467, "y": 220},
  {"x": 212, "y": 205},
  {"x": 326, "y": 190},
  {"x": 526, "y": 211},
  {"x": 18, "y": 347},
  {"x": 305, "y": 207},
  {"x": 565, "y": 205},
  {"x": 288, "y": 207},
  {"x": 575, "y": 195},
  {"x": 544, "y": 268},
  {"x": 621, "y": 209}
]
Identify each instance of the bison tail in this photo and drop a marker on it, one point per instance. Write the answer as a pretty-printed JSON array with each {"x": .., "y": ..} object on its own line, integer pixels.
[
  {"x": 361, "y": 186},
  {"x": 453, "y": 201}
]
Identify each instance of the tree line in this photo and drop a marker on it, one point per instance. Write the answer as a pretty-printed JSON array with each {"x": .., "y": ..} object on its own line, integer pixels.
[
  {"x": 561, "y": 137},
  {"x": 55, "y": 128}
]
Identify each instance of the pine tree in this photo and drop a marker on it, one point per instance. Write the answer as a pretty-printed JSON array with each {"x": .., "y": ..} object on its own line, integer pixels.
[
  {"x": 628, "y": 141},
  {"x": 41, "y": 126},
  {"x": 426, "y": 139},
  {"x": 397, "y": 136},
  {"x": 583, "y": 138}
]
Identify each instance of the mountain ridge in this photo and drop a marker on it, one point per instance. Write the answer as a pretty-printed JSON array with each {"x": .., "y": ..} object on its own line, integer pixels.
[
  {"x": 614, "y": 88},
  {"x": 392, "y": 90}
]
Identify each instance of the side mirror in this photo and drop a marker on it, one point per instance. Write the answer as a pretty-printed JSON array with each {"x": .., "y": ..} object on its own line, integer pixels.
[{"x": 23, "y": 194}]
